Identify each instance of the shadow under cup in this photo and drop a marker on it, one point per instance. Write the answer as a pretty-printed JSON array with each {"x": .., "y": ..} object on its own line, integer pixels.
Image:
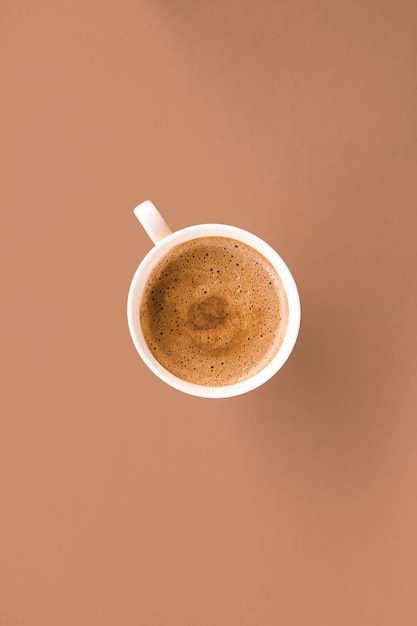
[{"x": 140, "y": 280}]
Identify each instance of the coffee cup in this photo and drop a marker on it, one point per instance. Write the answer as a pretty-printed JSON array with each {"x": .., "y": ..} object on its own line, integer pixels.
[{"x": 212, "y": 309}]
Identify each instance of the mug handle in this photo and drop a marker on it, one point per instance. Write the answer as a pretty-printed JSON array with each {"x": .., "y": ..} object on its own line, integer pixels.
[{"x": 152, "y": 221}]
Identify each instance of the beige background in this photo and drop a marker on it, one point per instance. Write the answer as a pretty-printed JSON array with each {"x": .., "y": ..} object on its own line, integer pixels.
[{"x": 123, "y": 502}]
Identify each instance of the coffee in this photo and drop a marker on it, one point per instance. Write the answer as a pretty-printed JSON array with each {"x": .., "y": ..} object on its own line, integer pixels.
[{"x": 214, "y": 311}]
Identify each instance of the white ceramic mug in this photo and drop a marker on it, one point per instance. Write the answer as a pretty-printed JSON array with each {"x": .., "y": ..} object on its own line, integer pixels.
[{"x": 164, "y": 240}]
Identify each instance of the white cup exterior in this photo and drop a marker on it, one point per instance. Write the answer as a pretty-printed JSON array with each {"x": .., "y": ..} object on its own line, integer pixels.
[{"x": 138, "y": 284}]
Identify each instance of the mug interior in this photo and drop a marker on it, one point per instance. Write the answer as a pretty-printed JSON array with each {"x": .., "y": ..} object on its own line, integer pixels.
[{"x": 138, "y": 285}]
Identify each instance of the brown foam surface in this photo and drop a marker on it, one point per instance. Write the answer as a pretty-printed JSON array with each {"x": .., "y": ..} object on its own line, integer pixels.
[{"x": 214, "y": 311}]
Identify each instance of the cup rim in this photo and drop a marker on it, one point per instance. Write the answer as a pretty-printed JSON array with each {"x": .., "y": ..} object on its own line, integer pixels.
[{"x": 156, "y": 253}]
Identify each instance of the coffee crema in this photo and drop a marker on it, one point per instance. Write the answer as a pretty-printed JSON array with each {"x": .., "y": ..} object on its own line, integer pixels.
[{"x": 214, "y": 311}]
